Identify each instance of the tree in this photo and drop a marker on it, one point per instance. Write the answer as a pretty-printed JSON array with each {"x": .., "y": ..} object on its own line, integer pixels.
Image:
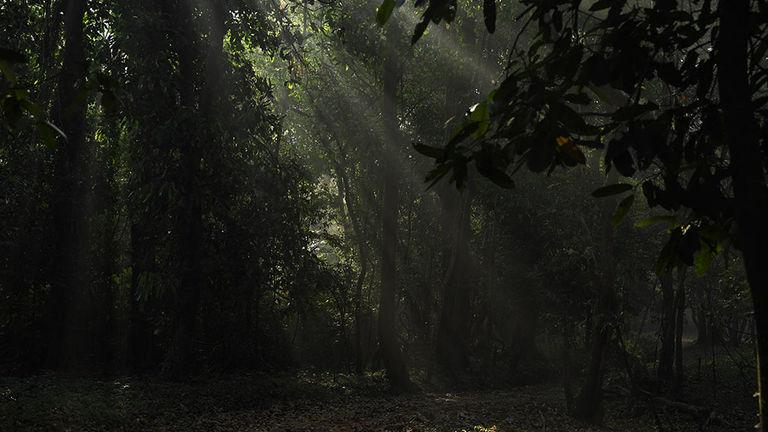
[
  {"x": 633, "y": 42},
  {"x": 748, "y": 170},
  {"x": 68, "y": 310},
  {"x": 397, "y": 371}
]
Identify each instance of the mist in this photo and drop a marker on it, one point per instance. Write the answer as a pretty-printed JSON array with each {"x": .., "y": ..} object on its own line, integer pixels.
[{"x": 365, "y": 215}]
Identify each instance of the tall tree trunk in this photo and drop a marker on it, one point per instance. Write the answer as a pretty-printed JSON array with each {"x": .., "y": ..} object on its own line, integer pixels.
[
  {"x": 350, "y": 201},
  {"x": 68, "y": 310},
  {"x": 751, "y": 194},
  {"x": 179, "y": 362},
  {"x": 394, "y": 363},
  {"x": 666, "y": 354},
  {"x": 453, "y": 333}
]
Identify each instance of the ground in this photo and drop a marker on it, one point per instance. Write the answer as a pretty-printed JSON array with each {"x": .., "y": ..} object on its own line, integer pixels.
[{"x": 336, "y": 402}]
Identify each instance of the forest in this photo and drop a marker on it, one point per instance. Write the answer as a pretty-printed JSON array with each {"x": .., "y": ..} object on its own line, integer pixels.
[{"x": 383, "y": 215}]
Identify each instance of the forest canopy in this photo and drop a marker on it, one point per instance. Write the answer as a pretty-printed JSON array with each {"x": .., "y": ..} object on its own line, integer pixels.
[{"x": 561, "y": 200}]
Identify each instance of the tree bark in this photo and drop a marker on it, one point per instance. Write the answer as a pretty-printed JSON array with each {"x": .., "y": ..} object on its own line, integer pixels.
[
  {"x": 679, "y": 326},
  {"x": 397, "y": 372},
  {"x": 139, "y": 335},
  {"x": 180, "y": 359},
  {"x": 751, "y": 194},
  {"x": 68, "y": 310},
  {"x": 362, "y": 252},
  {"x": 588, "y": 404},
  {"x": 666, "y": 354},
  {"x": 452, "y": 345}
]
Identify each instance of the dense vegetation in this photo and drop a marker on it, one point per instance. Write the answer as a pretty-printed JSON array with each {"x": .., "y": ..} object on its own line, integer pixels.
[{"x": 321, "y": 214}]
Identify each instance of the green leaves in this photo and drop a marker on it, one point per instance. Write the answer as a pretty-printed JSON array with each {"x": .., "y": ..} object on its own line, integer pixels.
[
  {"x": 613, "y": 189},
  {"x": 384, "y": 11},
  {"x": 491, "y": 164},
  {"x": 653, "y": 220},
  {"x": 48, "y": 133},
  {"x": 703, "y": 258},
  {"x": 622, "y": 210},
  {"x": 480, "y": 115},
  {"x": 428, "y": 151}
]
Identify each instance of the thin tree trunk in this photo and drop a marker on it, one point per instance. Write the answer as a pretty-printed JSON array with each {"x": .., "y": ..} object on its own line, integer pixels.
[
  {"x": 452, "y": 347},
  {"x": 679, "y": 324},
  {"x": 362, "y": 250},
  {"x": 666, "y": 355},
  {"x": 751, "y": 194},
  {"x": 360, "y": 358},
  {"x": 588, "y": 404},
  {"x": 139, "y": 336}
]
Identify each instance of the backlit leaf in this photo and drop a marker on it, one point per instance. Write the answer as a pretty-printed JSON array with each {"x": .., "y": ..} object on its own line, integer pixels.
[
  {"x": 609, "y": 190},
  {"x": 384, "y": 11},
  {"x": 622, "y": 210}
]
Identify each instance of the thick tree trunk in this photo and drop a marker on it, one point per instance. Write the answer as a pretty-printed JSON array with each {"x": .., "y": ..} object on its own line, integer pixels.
[
  {"x": 180, "y": 359},
  {"x": 69, "y": 306},
  {"x": 397, "y": 372},
  {"x": 751, "y": 194},
  {"x": 667, "y": 332}
]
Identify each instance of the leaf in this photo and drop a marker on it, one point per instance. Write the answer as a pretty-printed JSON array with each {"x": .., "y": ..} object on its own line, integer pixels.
[
  {"x": 600, "y": 5},
  {"x": 704, "y": 256},
  {"x": 491, "y": 164},
  {"x": 653, "y": 220},
  {"x": 489, "y": 14},
  {"x": 667, "y": 257},
  {"x": 419, "y": 29},
  {"x": 622, "y": 210},
  {"x": 501, "y": 179},
  {"x": 480, "y": 115},
  {"x": 633, "y": 111},
  {"x": 577, "y": 99},
  {"x": 429, "y": 151},
  {"x": 384, "y": 11},
  {"x": 462, "y": 133},
  {"x": 48, "y": 132},
  {"x": 569, "y": 152},
  {"x": 609, "y": 190},
  {"x": 436, "y": 174},
  {"x": 32, "y": 109}
]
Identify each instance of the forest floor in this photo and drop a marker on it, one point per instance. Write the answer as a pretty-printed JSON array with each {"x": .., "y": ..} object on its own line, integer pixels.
[{"x": 335, "y": 402}]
